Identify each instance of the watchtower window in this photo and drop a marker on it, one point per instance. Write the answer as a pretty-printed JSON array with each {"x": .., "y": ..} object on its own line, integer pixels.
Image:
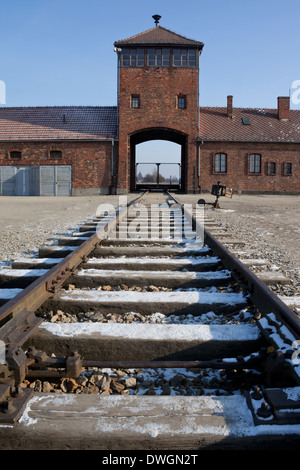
[
  {"x": 154, "y": 57},
  {"x": 158, "y": 57},
  {"x": 184, "y": 58},
  {"x": 140, "y": 58},
  {"x": 133, "y": 58},
  {"x": 181, "y": 102},
  {"x": 126, "y": 58},
  {"x": 166, "y": 57}
]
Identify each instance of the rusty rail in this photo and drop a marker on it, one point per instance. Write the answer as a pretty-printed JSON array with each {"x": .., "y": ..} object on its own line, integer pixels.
[
  {"x": 260, "y": 294},
  {"x": 18, "y": 321},
  {"x": 43, "y": 288}
]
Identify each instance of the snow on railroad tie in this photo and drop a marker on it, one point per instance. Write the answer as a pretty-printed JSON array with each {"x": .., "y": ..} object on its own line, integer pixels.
[
  {"x": 7, "y": 294},
  {"x": 195, "y": 302},
  {"x": 141, "y": 331},
  {"x": 172, "y": 279},
  {"x": 15, "y": 273},
  {"x": 35, "y": 263},
  {"x": 189, "y": 249},
  {"x": 19, "y": 277},
  {"x": 154, "y": 263},
  {"x": 151, "y": 341}
]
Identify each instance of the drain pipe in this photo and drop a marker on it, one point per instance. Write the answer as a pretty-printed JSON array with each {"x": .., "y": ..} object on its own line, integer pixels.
[
  {"x": 199, "y": 151},
  {"x": 112, "y": 190}
]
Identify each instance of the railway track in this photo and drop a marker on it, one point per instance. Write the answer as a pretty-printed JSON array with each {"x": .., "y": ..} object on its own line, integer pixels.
[{"x": 143, "y": 331}]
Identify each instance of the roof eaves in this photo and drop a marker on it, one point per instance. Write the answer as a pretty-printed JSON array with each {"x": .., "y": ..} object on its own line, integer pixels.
[{"x": 205, "y": 139}]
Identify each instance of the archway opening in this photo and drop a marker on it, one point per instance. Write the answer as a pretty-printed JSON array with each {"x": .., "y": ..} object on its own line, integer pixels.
[
  {"x": 158, "y": 163},
  {"x": 157, "y": 160}
]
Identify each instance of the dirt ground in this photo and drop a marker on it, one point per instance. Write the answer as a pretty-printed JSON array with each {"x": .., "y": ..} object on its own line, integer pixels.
[
  {"x": 270, "y": 224},
  {"x": 26, "y": 223}
]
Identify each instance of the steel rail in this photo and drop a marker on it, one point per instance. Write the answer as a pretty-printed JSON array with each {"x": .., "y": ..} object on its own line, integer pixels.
[
  {"x": 260, "y": 294},
  {"x": 33, "y": 296}
]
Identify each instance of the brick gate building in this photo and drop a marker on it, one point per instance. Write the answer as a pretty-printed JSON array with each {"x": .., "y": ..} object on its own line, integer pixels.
[{"x": 92, "y": 150}]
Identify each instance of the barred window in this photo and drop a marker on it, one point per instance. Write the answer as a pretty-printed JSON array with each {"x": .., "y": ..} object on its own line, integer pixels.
[
  {"x": 271, "y": 168},
  {"x": 288, "y": 169},
  {"x": 254, "y": 163},
  {"x": 220, "y": 163}
]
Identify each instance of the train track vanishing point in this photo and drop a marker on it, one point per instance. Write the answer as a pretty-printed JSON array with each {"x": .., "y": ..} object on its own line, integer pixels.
[{"x": 167, "y": 340}]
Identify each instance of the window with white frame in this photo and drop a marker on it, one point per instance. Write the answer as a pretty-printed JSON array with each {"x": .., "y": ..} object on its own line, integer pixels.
[
  {"x": 255, "y": 163},
  {"x": 220, "y": 163}
]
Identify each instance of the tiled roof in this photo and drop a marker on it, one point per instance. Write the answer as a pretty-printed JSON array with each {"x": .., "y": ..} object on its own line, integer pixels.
[
  {"x": 100, "y": 123},
  {"x": 264, "y": 125},
  {"x": 58, "y": 123},
  {"x": 158, "y": 35}
]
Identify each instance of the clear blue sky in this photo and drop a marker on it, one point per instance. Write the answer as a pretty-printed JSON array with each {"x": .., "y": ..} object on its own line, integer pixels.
[{"x": 60, "y": 52}]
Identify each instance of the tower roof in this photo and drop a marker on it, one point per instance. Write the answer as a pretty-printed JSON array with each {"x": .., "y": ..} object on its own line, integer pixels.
[{"x": 159, "y": 36}]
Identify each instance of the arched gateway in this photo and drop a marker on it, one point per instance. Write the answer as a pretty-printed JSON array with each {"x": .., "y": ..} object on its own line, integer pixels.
[
  {"x": 147, "y": 135},
  {"x": 158, "y": 88}
]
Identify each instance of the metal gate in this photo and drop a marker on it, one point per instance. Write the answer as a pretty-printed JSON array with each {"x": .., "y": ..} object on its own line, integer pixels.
[
  {"x": 44, "y": 180},
  {"x": 55, "y": 180},
  {"x": 15, "y": 180}
]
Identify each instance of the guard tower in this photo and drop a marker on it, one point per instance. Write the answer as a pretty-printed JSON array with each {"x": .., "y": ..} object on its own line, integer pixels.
[{"x": 158, "y": 90}]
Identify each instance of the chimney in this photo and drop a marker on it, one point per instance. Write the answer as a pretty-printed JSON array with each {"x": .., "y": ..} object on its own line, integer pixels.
[
  {"x": 283, "y": 107},
  {"x": 229, "y": 106}
]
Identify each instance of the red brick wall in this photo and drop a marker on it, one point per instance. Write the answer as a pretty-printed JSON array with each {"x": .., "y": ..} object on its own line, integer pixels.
[
  {"x": 238, "y": 176},
  {"x": 91, "y": 161},
  {"x": 158, "y": 89}
]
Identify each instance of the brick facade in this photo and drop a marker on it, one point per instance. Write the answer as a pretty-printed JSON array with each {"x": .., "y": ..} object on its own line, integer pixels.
[
  {"x": 91, "y": 161},
  {"x": 238, "y": 175}
]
